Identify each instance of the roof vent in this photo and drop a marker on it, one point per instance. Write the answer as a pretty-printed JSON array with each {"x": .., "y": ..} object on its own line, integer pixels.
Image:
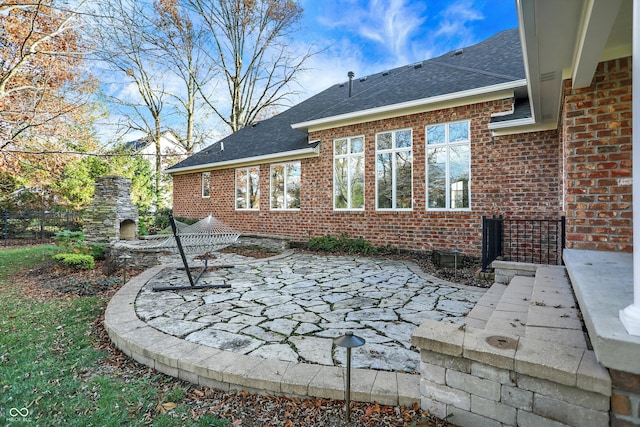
[
  {"x": 363, "y": 79},
  {"x": 254, "y": 124},
  {"x": 386, "y": 73},
  {"x": 418, "y": 65},
  {"x": 351, "y": 75},
  {"x": 458, "y": 52}
]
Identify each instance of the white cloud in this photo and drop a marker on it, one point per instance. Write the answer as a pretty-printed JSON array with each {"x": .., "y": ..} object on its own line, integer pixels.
[
  {"x": 390, "y": 24},
  {"x": 456, "y": 19}
]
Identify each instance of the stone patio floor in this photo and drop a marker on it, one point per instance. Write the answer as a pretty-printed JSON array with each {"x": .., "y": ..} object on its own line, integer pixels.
[{"x": 290, "y": 307}]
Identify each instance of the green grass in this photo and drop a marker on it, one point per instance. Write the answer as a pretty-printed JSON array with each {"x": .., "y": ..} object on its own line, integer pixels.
[{"x": 48, "y": 363}]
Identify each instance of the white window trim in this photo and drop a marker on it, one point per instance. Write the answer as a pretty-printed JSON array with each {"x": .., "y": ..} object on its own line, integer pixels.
[
  {"x": 202, "y": 180},
  {"x": 235, "y": 199},
  {"x": 285, "y": 164},
  {"x": 394, "y": 177},
  {"x": 446, "y": 144},
  {"x": 347, "y": 156}
]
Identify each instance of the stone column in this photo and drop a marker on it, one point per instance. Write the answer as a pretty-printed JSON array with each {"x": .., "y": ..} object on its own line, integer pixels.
[{"x": 630, "y": 316}]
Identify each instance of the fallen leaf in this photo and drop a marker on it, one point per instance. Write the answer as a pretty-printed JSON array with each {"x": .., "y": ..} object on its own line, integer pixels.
[
  {"x": 198, "y": 393},
  {"x": 169, "y": 406}
]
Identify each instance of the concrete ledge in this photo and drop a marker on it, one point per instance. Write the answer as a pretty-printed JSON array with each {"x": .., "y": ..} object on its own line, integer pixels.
[
  {"x": 507, "y": 270},
  {"x": 603, "y": 284},
  {"x": 226, "y": 370},
  {"x": 546, "y": 360}
]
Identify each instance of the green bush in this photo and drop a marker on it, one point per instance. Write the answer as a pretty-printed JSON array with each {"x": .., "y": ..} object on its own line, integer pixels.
[
  {"x": 75, "y": 261},
  {"x": 71, "y": 241},
  {"x": 342, "y": 244},
  {"x": 98, "y": 250}
]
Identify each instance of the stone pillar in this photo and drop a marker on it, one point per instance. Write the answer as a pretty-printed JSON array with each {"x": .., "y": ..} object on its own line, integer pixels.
[{"x": 630, "y": 316}]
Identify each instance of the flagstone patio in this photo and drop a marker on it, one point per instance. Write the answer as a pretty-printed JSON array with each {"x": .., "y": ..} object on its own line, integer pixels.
[{"x": 291, "y": 307}]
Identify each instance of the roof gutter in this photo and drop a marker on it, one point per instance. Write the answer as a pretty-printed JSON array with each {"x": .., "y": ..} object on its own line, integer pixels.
[
  {"x": 394, "y": 108},
  {"x": 312, "y": 151}
]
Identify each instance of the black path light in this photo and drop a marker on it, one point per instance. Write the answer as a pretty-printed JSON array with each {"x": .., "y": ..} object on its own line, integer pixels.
[
  {"x": 349, "y": 341},
  {"x": 125, "y": 257}
]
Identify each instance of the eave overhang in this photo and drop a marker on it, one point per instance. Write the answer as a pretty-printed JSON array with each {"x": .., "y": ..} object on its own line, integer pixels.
[
  {"x": 312, "y": 151},
  {"x": 566, "y": 40}
]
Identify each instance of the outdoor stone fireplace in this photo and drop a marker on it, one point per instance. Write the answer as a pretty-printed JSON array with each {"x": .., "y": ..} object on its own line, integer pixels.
[{"x": 112, "y": 216}]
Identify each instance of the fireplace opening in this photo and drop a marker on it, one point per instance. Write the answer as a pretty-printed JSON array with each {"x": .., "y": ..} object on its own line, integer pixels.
[{"x": 128, "y": 230}]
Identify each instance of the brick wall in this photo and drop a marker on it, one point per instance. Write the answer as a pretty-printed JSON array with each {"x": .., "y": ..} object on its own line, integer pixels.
[
  {"x": 625, "y": 399},
  {"x": 514, "y": 176},
  {"x": 597, "y": 145}
]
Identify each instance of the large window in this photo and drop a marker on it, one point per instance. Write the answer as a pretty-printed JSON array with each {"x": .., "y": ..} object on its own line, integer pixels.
[
  {"x": 285, "y": 186},
  {"x": 206, "y": 184},
  {"x": 448, "y": 166},
  {"x": 348, "y": 173},
  {"x": 394, "y": 170},
  {"x": 248, "y": 188}
]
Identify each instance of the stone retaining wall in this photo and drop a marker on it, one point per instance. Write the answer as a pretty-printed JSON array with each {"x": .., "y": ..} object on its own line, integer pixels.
[{"x": 525, "y": 383}]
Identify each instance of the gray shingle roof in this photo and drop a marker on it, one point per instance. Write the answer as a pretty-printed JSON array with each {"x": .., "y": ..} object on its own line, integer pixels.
[{"x": 494, "y": 61}]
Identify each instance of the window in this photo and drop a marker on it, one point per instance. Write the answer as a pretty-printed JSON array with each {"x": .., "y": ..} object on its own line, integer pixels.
[
  {"x": 248, "y": 188},
  {"x": 206, "y": 184},
  {"x": 348, "y": 173},
  {"x": 285, "y": 186},
  {"x": 394, "y": 170},
  {"x": 448, "y": 166}
]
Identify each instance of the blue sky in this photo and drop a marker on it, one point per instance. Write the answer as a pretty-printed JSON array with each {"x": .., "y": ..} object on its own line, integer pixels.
[{"x": 371, "y": 36}]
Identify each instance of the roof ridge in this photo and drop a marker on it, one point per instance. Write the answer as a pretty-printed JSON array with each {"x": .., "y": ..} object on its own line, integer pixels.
[{"x": 474, "y": 70}]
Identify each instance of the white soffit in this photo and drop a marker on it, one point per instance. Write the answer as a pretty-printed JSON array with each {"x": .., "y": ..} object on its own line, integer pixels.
[{"x": 567, "y": 39}]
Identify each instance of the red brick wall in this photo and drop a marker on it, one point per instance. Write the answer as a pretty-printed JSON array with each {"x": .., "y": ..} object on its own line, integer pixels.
[
  {"x": 597, "y": 146},
  {"x": 515, "y": 176}
]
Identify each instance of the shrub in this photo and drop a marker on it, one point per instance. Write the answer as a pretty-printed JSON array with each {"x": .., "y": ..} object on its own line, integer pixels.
[
  {"x": 75, "y": 261},
  {"x": 71, "y": 241},
  {"x": 98, "y": 250},
  {"x": 342, "y": 244}
]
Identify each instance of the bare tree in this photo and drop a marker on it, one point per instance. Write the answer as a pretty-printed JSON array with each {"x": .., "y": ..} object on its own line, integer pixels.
[
  {"x": 125, "y": 34},
  {"x": 253, "y": 54},
  {"x": 184, "y": 51}
]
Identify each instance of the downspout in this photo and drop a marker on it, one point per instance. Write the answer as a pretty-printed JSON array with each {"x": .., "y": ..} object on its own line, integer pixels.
[{"x": 630, "y": 316}]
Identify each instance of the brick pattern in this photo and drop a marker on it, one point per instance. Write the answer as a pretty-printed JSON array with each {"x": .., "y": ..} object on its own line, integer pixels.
[
  {"x": 515, "y": 176},
  {"x": 597, "y": 144},
  {"x": 475, "y": 393},
  {"x": 625, "y": 399}
]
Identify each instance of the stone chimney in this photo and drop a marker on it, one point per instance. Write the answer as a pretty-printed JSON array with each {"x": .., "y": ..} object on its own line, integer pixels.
[{"x": 112, "y": 215}]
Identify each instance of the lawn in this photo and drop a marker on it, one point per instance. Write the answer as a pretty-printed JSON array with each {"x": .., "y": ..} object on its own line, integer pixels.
[{"x": 53, "y": 373}]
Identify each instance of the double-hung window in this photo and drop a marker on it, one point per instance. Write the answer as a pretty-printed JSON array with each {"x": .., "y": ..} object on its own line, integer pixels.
[
  {"x": 394, "y": 170},
  {"x": 285, "y": 186},
  {"x": 448, "y": 166},
  {"x": 348, "y": 173},
  {"x": 206, "y": 184},
  {"x": 248, "y": 188}
]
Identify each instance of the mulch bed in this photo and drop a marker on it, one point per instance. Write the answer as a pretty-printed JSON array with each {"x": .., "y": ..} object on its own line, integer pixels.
[{"x": 50, "y": 281}]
